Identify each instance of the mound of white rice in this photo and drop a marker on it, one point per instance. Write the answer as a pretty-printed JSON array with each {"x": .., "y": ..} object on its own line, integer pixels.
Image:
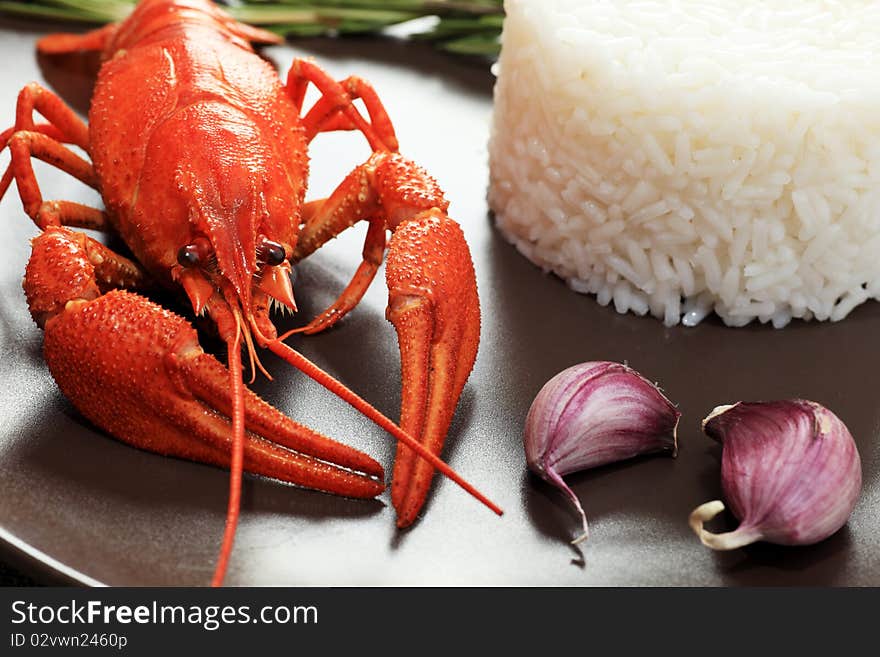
[{"x": 683, "y": 157}]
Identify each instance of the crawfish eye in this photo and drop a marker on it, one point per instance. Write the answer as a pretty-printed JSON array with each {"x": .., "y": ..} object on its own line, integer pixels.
[
  {"x": 198, "y": 252},
  {"x": 188, "y": 255},
  {"x": 272, "y": 253}
]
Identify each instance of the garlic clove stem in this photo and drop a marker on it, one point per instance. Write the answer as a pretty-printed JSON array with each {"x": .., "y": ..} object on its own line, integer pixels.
[
  {"x": 718, "y": 410},
  {"x": 554, "y": 478},
  {"x": 738, "y": 538}
]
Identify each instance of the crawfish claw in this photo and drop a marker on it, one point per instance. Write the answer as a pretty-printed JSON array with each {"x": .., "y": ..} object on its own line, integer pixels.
[{"x": 434, "y": 307}]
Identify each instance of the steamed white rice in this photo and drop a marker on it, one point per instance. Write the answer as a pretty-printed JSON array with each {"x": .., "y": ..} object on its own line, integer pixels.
[{"x": 683, "y": 157}]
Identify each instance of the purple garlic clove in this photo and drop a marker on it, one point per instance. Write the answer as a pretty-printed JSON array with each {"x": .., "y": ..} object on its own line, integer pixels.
[
  {"x": 790, "y": 472},
  {"x": 593, "y": 414}
]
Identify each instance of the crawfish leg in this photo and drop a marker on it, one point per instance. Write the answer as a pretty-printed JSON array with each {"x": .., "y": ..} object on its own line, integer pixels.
[
  {"x": 327, "y": 115},
  {"x": 44, "y": 128},
  {"x": 354, "y": 200},
  {"x": 64, "y": 43},
  {"x": 26, "y": 144},
  {"x": 374, "y": 250},
  {"x": 35, "y": 97},
  {"x": 335, "y": 109},
  {"x": 46, "y": 142}
]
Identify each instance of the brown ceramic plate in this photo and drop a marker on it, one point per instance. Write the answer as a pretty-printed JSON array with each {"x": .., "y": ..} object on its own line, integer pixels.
[{"x": 86, "y": 508}]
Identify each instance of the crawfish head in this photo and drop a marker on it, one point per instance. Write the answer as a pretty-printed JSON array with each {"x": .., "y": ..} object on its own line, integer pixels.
[{"x": 232, "y": 251}]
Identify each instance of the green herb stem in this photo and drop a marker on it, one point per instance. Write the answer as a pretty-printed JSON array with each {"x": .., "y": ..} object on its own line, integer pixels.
[{"x": 464, "y": 26}]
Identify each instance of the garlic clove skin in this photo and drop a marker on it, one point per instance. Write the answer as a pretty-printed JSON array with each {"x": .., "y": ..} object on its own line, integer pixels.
[
  {"x": 593, "y": 414},
  {"x": 790, "y": 471}
]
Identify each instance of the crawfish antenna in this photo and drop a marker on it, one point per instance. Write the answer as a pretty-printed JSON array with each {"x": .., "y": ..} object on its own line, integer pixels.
[
  {"x": 254, "y": 356},
  {"x": 311, "y": 370},
  {"x": 237, "y": 464}
]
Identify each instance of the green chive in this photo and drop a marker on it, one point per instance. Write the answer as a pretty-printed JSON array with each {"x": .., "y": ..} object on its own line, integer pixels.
[{"x": 470, "y": 27}]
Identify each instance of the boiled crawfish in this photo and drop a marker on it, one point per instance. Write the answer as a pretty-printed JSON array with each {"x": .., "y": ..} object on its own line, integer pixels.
[{"x": 200, "y": 155}]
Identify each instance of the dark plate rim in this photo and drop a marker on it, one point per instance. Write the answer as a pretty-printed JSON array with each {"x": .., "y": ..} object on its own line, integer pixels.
[{"x": 43, "y": 567}]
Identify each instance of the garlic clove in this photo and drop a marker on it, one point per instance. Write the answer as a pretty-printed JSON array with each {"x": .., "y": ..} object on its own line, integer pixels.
[
  {"x": 593, "y": 414},
  {"x": 790, "y": 472}
]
